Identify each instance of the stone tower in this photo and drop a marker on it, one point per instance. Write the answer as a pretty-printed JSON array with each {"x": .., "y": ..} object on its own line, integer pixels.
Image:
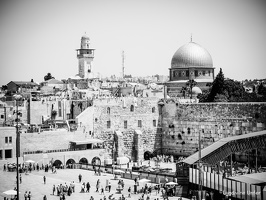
[{"x": 85, "y": 57}]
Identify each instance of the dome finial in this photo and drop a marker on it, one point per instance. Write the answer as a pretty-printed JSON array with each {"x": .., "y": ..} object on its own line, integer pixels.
[{"x": 191, "y": 37}]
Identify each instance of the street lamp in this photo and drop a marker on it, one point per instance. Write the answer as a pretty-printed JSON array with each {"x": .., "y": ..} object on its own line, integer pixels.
[
  {"x": 200, "y": 164},
  {"x": 17, "y": 97}
]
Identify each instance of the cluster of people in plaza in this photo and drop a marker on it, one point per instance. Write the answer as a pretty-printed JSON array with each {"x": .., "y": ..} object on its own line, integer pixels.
[
  {"x": 62, "y": 190},
  {"x": 67, "y": 189}
]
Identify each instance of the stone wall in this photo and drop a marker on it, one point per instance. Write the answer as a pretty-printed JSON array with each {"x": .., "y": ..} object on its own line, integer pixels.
[
  {"x": 118, "y": 110},
  {"x": 182, "y": 123}
]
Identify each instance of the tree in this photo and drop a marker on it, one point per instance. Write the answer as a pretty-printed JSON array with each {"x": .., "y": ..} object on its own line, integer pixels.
[
  {"x": 217, "y": 86},
  {"x": 234, "y": 90},
  {"x": 191, "y": 84},
  {"x": 48, "y": 76},
  {"x": 4, "y": 87},
  {"x": 261, "y": 89}
]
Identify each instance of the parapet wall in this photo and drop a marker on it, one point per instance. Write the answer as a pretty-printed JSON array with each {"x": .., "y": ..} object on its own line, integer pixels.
[{"x": 48, "y": 140}]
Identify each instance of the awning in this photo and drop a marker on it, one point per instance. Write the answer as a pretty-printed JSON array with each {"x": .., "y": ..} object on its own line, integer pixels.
[
  {"x": 87, "y": 141},
  {"x": 256, "y": 178}
]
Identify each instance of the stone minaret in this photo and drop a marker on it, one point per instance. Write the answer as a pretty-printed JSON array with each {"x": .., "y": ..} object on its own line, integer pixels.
[{"x": 85, "y": 57}]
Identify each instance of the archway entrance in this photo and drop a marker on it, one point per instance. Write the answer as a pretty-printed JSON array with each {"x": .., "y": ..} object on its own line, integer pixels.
[
  {"x": 57, "y": 164},
  {"x": 147, "y": 155},
  {"x": 83, "y": 161},
  {"x": 96, "y": 163},
  {"x": 70, "y": 162}
]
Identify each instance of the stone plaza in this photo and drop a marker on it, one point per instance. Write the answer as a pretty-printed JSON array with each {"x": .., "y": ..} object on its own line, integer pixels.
[{"x": 34, "y": 182}]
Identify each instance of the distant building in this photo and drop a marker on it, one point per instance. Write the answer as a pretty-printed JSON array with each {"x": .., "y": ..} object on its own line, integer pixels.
[
  {"x": 21, "y": 86},
  {"x": 190, "y": 62}
]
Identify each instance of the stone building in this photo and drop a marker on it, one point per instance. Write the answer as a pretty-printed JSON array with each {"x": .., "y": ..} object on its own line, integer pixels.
[
  {"x": 85, "y": 57},
  {"x": 190, "y": 62},
  {"x": 129, "y": 122}
]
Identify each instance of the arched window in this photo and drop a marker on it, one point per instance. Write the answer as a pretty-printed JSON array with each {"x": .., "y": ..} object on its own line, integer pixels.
[
  {"x": 108, "y": 110},
  {"x": 153, "y": 110},
  {"x": 131, "y": 108}
]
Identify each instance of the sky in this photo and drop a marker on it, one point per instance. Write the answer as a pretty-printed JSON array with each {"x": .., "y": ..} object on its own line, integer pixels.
[{"x": 37, "y": 37}]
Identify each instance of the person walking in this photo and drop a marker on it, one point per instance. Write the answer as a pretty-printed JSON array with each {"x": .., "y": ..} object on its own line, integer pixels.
[
  {"x": 80, "y": 177},
  {"x": 44, "y": 179},
  {"x": 88, "y": 186},
  {"x": 44, "y": 197},
  {"x": 129, "y": 192},
  {"x": 73, "y": 186},
  {"x": 109, "y": 187},
  {"x": 29, "y": 195},
  {"x": 53, "y": 189},
  {"x": 25, "y": 195},
  {"x": 102, "y": 190}
]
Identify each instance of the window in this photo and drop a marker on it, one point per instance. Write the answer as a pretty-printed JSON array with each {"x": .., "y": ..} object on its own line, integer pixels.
[
  {"x": 109, "y": 124},
  {"x": 209, "y": 73},
  {"x": 10, "y": 139},
  {"x": 187, "y": 73},
  {"x": 139, "y": 123},
  {"x": 108, "y": 110},
  {"x": 153, "y": 110},
  {"x": 196, "y": 72},
  {"x": 2, "y": 116},
  {"x": 131, "y": 108},
  {"x": 1, "y": 154},
  {"x": 180, "y": 74},
  {"x": 8, "y": 153},
  {"x": 125, "y": 124},
  {"x": 154, "y": 123},
  {"x": 6, "y": 140},
  {"x": 203, "y": 73}
]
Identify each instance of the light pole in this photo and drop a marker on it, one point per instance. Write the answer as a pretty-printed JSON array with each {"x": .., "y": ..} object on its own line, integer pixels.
[
  {"x": 200, "y": 165},
  {"x": 17, "y": 97}
]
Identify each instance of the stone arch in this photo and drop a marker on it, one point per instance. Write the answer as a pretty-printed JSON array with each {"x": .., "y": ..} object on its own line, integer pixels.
[
  {"x": 70, "y": 162},
  {"x": 147, "y": 155},
  {"x": 57, "y": 163},
  {"x": 83, "y": 161},
  {"x": 96, "y": 163}
]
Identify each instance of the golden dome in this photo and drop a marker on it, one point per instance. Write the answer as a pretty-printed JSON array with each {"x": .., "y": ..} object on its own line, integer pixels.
[{"x": 191, "y": 55}]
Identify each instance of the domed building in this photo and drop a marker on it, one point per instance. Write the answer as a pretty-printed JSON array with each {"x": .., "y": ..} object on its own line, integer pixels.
[{"x": 190, "y": 62}]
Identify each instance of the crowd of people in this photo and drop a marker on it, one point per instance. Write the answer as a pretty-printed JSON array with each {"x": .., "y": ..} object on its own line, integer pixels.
[{"x": 63, "y": 190}]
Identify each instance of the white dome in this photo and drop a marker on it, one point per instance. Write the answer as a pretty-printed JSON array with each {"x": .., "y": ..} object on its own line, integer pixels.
[{"x": 196, "y": 90}]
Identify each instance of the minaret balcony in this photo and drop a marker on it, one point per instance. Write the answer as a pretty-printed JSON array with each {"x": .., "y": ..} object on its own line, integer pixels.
[{"x": 85, "y": 55}]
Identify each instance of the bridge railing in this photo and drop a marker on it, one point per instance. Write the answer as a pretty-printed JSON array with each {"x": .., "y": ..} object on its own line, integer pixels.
[
  {"x": 55, "y": 150},
  {"x": 154, "y": 177}
]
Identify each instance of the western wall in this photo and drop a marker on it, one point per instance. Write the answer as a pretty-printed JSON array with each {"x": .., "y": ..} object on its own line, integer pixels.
[{"x": 182, "y": 123}]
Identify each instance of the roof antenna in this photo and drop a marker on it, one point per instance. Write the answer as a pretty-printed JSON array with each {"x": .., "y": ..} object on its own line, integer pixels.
[{"x": 191, "y": 38}]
